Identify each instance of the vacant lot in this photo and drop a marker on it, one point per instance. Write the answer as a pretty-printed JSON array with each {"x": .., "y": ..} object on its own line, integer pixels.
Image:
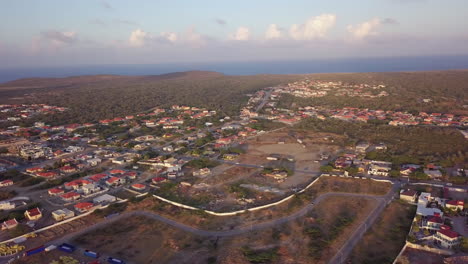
[
  {"x": 140, "y": 240},
  {"x": 383, "y": 242},
  {"x": 314, "y": 238},
  {"x": 304, "y": 154},
  {"x": 416, "y": 256}
]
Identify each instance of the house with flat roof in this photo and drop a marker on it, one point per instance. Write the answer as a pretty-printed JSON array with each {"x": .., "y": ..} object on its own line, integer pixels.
[
  {"x": 62, "y": 214},
  {"x": 409, "y": 195},
  {"x": 428, "y": 205}
]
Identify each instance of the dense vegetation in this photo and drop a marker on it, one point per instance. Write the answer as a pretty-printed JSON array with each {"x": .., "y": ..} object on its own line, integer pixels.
[
  {"x": 428, "y": 144},
  {"x": 116, "y": 96},
  {"x": 446, "y": 89}
]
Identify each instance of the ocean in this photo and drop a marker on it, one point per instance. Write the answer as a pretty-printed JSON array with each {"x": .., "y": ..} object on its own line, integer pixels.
[{"x": 427, "y": 63}]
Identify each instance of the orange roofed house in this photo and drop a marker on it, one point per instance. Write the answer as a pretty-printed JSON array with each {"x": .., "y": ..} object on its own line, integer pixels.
[
  {"x": 9, "y": 224},
  {"x": 33, "y": 214},
  {"x": 83, "y": 207}
]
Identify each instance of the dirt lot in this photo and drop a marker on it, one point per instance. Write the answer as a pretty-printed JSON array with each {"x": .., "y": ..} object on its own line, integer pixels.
[
  {"x": 304, "y": 155},
  {"x": 416, "y": 256},
  {"x": 385, "y": 239},
  {"x": 292, "y": 244}
]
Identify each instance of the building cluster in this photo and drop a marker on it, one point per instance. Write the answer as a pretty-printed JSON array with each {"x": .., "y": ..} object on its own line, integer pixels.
[
  {"x": 17, "y": 112},
  {"x": 430, "y": 217},
  {"x": 394, "y": 118},
  {"x": 311, "y": 88}
]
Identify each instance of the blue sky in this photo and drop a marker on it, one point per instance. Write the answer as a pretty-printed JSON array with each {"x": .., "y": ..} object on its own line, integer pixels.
[{"x": 67, "y": 32}]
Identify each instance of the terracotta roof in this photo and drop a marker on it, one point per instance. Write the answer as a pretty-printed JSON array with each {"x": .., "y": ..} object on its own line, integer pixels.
[
  {"x": 34, "y": 212},
  {"x": 435, "y": 219},
  {"x": 83, "y": 205},
  {"x": 448, "y": 233},
  {"x": 408, "y": 193}
]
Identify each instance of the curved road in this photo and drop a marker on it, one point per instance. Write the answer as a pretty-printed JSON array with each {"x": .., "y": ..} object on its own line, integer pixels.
[{"x": 209, "y": 233}]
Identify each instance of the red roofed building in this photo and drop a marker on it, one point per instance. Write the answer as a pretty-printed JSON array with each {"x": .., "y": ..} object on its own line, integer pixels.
[
  {"x": 409, "y": 196},
  {"x": 156, "y": 180},
  {"x": 98, "y": 177},
  {"x": 138, "y": 186},
  {"x": 9, "y": 224},
  {"x": 48, "y": 175},
  {"x": 131, "y": 175},
  {"x": 67, "y": 169},
  {"x": 434, "y": 223},
  {"x": 83, "y": 207},
  {"x": 33, "y": 214},
  {"x": 115, "y": 172},
  {"x": 70, "y": 196},
  {"x": 115, "y": 181},
  {"x": 56, "y": 191},
  {"x": 447, "y": 238},
  {"x": 34, "y": 170},
  {"x": 6, "y": 183},
  {"x": 455, "y": 204}
]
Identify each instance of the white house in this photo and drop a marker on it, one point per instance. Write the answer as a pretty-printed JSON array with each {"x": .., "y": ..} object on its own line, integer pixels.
[
  {"x": 447, "y": 238},
  {"x": 62, "y": 214}
]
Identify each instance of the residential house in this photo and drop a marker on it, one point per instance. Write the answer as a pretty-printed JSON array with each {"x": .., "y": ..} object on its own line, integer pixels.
[
  {"x": 115, "y": 181},
  {"x": 428, "y": 205},
  {"x": 410, "y": 196},
  {"x": 83, "y": 207},
  {"x": 62, "y": 214},
  {"x": 105, "y": 198},
  {"x": 202, "y": 172},
  {"x": 56, "y": 191},
  {"x": 138, "y": 186},
  {"x": 157, "y": 180},
  {"x": 447, "y": 238},
  {"x": 9, "y": 224},
  {"x": 455, "y": 204},
  {"x": 70, "y": 196},
  {"x": 433, "y": 223},
  {"x": 379, "y": 168},
  {"x": 6, "y": 205},
  {"x": 33, "y": 214},
  {"x": 6, "y": 183}
]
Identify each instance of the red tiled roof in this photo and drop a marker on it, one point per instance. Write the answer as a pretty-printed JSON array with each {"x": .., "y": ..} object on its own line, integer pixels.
[
  {"x": 456, "y": 202},
  {"x": 34, "y": 212},
  {"x": 448, "y": 233},
  {"x": 435, "y": 219},
  {"x": 84, "y": 205},
  {"x": 158, "y": 179},
  {"x": 69, "y": 195},
  {"x": 408, "y": 193},
  {"x": 138, "y": 186},
  {"x": 98, "y": 177},
  {"x": 117, "y": 171},
  {"x": 56, "y": 190}
]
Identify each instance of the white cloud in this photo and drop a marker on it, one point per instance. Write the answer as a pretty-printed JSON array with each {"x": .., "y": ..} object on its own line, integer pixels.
[
  {"x": 170, "y": 36},
  {"x": 241, "y": 34},
  {"x": 313, "y": 28},
  {"x": 273, "y": 32},
  {"x": 138, "y": 38},
  {"x": 365, "y": 29}
]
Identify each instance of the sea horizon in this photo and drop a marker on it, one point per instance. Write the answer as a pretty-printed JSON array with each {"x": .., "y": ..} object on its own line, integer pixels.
[{"x": 348, "y": 65}]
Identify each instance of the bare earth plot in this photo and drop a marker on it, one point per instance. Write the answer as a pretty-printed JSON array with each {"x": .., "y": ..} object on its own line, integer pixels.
[
  {"x": 383, "y": 242},
  {"x": 292, "y": 242},
  {"x": 304, "y": 155}
]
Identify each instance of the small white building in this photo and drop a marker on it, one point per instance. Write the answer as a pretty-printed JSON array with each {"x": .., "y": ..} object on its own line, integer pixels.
[
  {"x": 105, "y": 198},
  {"x": 447, "y": 238},
  {"x": 62, "y": 214},
  {"x": 7, "y": 205}
]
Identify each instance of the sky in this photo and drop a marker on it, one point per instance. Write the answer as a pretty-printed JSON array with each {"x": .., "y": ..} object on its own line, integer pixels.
[{"x": 97, "y": 32}]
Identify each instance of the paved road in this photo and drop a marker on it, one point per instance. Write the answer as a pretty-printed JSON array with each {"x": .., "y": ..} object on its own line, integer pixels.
[
  {"x": 264, "y": 100},
  {"x": 346, "y": 249}
]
